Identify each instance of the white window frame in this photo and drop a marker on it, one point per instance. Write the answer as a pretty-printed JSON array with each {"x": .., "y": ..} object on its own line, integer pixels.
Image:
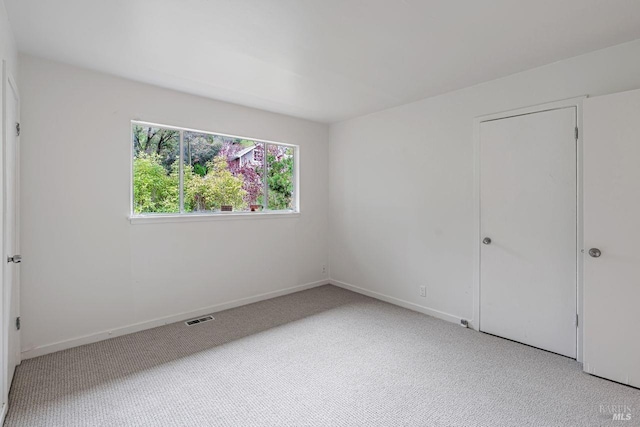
[{"x": 207, "y": 216}]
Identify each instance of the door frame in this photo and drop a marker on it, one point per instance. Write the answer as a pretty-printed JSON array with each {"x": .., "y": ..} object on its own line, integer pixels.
[{"x": 557, "y": 105}]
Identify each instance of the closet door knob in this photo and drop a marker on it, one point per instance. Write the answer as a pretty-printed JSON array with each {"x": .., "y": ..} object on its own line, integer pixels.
[
  {"x": 595, "y": 252},
  {"x": 486, "y": 240}
]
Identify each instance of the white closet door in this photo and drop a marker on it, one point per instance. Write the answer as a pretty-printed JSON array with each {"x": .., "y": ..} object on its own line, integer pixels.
[
  {"x": 528, "y": 272},
  {"x": 612, "y": 227},
  {"x": 10, "y": 229}
]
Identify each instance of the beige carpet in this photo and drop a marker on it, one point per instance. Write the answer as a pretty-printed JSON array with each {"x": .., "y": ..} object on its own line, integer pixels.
[{"x": 323, "y": 357}]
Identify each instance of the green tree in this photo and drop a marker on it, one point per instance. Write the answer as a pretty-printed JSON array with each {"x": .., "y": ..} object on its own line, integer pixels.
[
  {"x": 154, "y": 190},
  {"x": 280, "y": 178},
  {"x": 152, "y": 140},
  {"x": 199, "y": 149},
  {"x": 218, "y": 187}
]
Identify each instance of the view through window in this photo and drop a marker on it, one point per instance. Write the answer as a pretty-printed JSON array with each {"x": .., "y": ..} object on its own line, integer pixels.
[{"x": 212, "y": 173}]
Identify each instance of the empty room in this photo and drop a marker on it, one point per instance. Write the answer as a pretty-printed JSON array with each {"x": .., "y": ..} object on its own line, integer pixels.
[{"x": 320, "y": 213}]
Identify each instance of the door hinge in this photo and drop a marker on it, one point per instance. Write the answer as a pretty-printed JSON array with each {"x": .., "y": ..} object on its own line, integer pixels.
[
  {"x": 18, "y": 323},
  {"x": 576, "y": 320},
  {"x": 576, "y": 133},
  {"x": 17, "y": 129}
]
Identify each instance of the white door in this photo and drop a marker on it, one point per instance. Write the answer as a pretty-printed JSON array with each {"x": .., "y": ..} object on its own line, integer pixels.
[
  {"x": 10, "y": 230},
  {"x": 528, "y": 270},
  {"x": 612, "y": 226}
]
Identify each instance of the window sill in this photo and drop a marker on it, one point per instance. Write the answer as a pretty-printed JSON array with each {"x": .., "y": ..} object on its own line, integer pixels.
[{"x": 160, "y": 218}]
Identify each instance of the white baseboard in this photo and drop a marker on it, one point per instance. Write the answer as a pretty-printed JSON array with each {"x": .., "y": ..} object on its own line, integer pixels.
[
  {"x": 396, "y": 301},
  {"x": 137, "y": 327}
]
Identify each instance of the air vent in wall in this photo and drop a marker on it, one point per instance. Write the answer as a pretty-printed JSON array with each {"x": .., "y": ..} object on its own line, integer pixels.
[{"x": 199, "y": 320}]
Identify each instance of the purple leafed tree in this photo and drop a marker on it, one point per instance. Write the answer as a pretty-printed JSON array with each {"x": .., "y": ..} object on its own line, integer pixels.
[
  {"x": 252, "y": 182},
  {"x": 229, "y": 150}
]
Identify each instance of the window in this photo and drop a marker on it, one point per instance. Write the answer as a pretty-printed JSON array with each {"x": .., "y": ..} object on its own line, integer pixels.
[{"x": 182, "y": 171}]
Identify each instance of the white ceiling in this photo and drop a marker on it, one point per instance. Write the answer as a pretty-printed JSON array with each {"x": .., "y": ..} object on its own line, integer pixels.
[{"x": 325, "y": 60}]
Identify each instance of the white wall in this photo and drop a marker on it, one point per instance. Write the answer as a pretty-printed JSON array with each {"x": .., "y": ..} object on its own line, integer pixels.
[
  {"x": 8, "y": 50},
  {"x": 86, "y": 269},
  {"x": 401, "y": 180}
]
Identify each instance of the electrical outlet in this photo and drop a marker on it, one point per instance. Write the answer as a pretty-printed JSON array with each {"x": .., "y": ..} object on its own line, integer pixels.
[
  {"x": 423, "y": 291},
  {"x": 324, "y": 269}
]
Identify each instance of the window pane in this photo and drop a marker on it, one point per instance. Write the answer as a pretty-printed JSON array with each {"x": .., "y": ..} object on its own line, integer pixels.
[
  {"x": 280, "y": 177},
  {"x": 200, "y": 150},
  {"x": 221, "y": 173},
  {"x": 155, "y": 170},
  {"x": 247, "y": 164}
]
